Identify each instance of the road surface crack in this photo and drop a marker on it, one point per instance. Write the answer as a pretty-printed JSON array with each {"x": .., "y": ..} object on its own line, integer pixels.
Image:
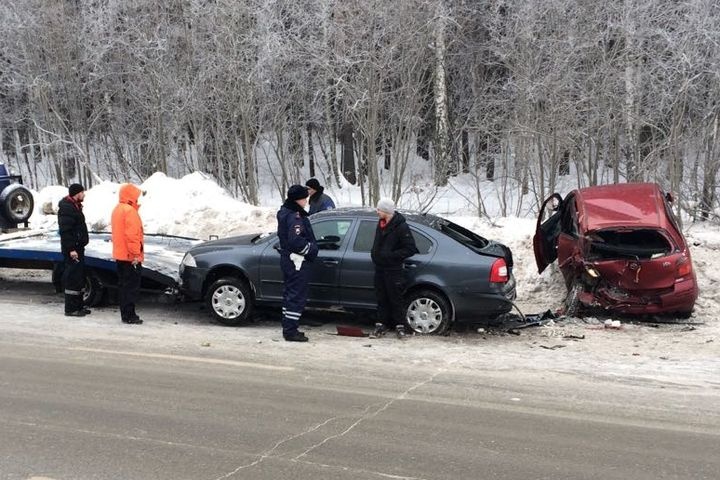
[{"x": 367, "y": 414}]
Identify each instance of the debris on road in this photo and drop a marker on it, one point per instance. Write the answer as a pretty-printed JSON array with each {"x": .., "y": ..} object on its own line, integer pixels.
[
  {"x": 615, "y": 324},
  {"x": 348, "y": 331}
]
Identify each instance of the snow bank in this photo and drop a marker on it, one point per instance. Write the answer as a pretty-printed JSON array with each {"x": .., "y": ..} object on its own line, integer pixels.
[{"x": 193, "y": 206}]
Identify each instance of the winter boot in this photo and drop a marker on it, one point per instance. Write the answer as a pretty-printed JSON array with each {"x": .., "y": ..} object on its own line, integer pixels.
[
  {"x": 296, "y": 337},
  {"x": 400, "y": 330},
  {"x": 379, "y": 331}
]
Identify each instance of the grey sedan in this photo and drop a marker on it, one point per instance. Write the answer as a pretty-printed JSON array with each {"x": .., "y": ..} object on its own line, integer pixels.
[{"x": 458, "y": 276}]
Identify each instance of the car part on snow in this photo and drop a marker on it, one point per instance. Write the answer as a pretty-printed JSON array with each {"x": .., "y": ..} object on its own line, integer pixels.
[
  {"x": 347, "y": 331},
  {"x": 572, "y": 300}
]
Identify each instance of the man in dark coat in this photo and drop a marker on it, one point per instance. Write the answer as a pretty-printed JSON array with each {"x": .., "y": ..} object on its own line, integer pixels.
[
  {"x": 393, "y": 244},
  {"x": 298, "y": 247},
  {"x": 73, "y": 239},
  {"x": 319, "y": 200}
]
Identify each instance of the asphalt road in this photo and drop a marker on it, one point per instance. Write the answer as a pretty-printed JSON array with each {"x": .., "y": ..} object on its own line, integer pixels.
[
  {"x": 101, "y": 414},
  {"x": 139, "y": 406}
]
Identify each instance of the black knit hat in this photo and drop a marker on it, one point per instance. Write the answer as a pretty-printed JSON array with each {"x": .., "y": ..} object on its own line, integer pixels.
[
  {"x": 75, "y": 188},
  {"x": 296, "y": 192},
  {"x": 314, "y": 184}
]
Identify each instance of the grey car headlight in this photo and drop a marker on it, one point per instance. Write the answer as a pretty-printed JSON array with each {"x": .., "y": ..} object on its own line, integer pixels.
[{"x": 187, "y": 261}]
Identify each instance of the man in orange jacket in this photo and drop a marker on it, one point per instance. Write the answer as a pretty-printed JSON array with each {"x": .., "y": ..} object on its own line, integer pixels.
[{"x": 128, "y": 251}]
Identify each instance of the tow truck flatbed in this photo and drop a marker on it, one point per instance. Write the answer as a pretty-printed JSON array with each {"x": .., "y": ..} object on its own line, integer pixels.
[{"x": 40, "y": 249}]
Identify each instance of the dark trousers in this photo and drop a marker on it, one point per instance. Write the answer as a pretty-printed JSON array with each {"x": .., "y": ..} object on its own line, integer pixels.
[
  {"x": 295, "y": 293},
  {"x": 390, "y": 288},
  {"x": 73, "y": 280},
  {"x": 129, "y": 276}
]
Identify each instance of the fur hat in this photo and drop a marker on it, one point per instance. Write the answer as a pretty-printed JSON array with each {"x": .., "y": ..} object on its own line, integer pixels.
[
  {"x": 296, "y": 192},
  {"x": 386, "y": 205},
  {"x": 75, "y": 188},
  {"x": 314, "y": 184}
]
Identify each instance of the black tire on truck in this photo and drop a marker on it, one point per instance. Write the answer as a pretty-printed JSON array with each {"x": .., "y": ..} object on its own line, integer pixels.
[
  {"x": 16, "y": 203},
  {"x": 94, "y": 293}
]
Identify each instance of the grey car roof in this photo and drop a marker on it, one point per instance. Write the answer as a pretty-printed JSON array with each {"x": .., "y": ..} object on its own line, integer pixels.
[{"x": 368, "y": 212}]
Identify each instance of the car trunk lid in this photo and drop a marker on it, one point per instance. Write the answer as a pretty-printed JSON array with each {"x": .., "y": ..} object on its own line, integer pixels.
[{"x": 495, "y": 249}]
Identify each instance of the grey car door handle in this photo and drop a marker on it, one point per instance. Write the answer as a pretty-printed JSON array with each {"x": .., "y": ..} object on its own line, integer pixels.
[
  {"x": 410, "y": 265},
  {"x": 330, "y": 262}
]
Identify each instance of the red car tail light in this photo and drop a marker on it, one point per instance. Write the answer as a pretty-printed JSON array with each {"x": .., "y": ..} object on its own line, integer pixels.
[
  {"x": 499, "y": 271},
  {"x": 684, "y": 267}
]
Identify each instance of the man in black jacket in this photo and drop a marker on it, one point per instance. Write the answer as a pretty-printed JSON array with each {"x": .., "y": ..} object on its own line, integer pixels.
[
  {"x": 319, "y": 201},
  {"x": 393, "y": 244},
  {"x": 73, "y": 239}
]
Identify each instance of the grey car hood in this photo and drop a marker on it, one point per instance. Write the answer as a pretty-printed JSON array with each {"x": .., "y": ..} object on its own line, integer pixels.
[{"x": 226, "y": 243}]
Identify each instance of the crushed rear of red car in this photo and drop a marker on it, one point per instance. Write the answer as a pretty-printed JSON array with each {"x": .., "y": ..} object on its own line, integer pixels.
[{"x": 619, "y": 248}]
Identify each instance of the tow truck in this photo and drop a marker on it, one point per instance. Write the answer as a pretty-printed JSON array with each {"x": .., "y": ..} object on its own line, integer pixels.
[{"x": 22, "y": 247}]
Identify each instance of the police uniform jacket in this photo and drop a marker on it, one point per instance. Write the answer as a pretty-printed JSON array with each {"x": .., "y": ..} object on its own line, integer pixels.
[{"x": 295, "y": 232}]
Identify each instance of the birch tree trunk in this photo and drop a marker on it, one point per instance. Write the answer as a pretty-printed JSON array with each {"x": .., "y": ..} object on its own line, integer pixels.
[{"x": 442, "y": 123}]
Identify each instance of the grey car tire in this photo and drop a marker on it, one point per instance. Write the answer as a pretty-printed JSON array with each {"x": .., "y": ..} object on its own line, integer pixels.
[
  {"x": 427, "y": 312},
  {"x": 229, "y": 301}
]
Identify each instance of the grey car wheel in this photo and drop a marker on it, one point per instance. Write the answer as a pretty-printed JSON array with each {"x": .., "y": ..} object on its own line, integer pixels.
[
  {"x": 427, "y": 312},
  {"x": 229, "y": 301}
]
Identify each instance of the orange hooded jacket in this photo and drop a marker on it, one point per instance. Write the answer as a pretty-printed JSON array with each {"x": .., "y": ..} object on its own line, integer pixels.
[{"x": 127, "y": 228}]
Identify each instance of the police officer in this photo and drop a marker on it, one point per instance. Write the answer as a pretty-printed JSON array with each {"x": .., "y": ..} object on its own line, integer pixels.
[
  {"x": 73, "y": 239},
  {"x": 297, "y": 248}
]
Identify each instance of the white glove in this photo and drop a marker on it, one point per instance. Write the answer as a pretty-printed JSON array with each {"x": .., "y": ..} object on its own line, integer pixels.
[{"x": 297, "y": 260}]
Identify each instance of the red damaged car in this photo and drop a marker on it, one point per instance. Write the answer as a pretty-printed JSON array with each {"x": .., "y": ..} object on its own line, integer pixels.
[{"x": 619, "y": 248}]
